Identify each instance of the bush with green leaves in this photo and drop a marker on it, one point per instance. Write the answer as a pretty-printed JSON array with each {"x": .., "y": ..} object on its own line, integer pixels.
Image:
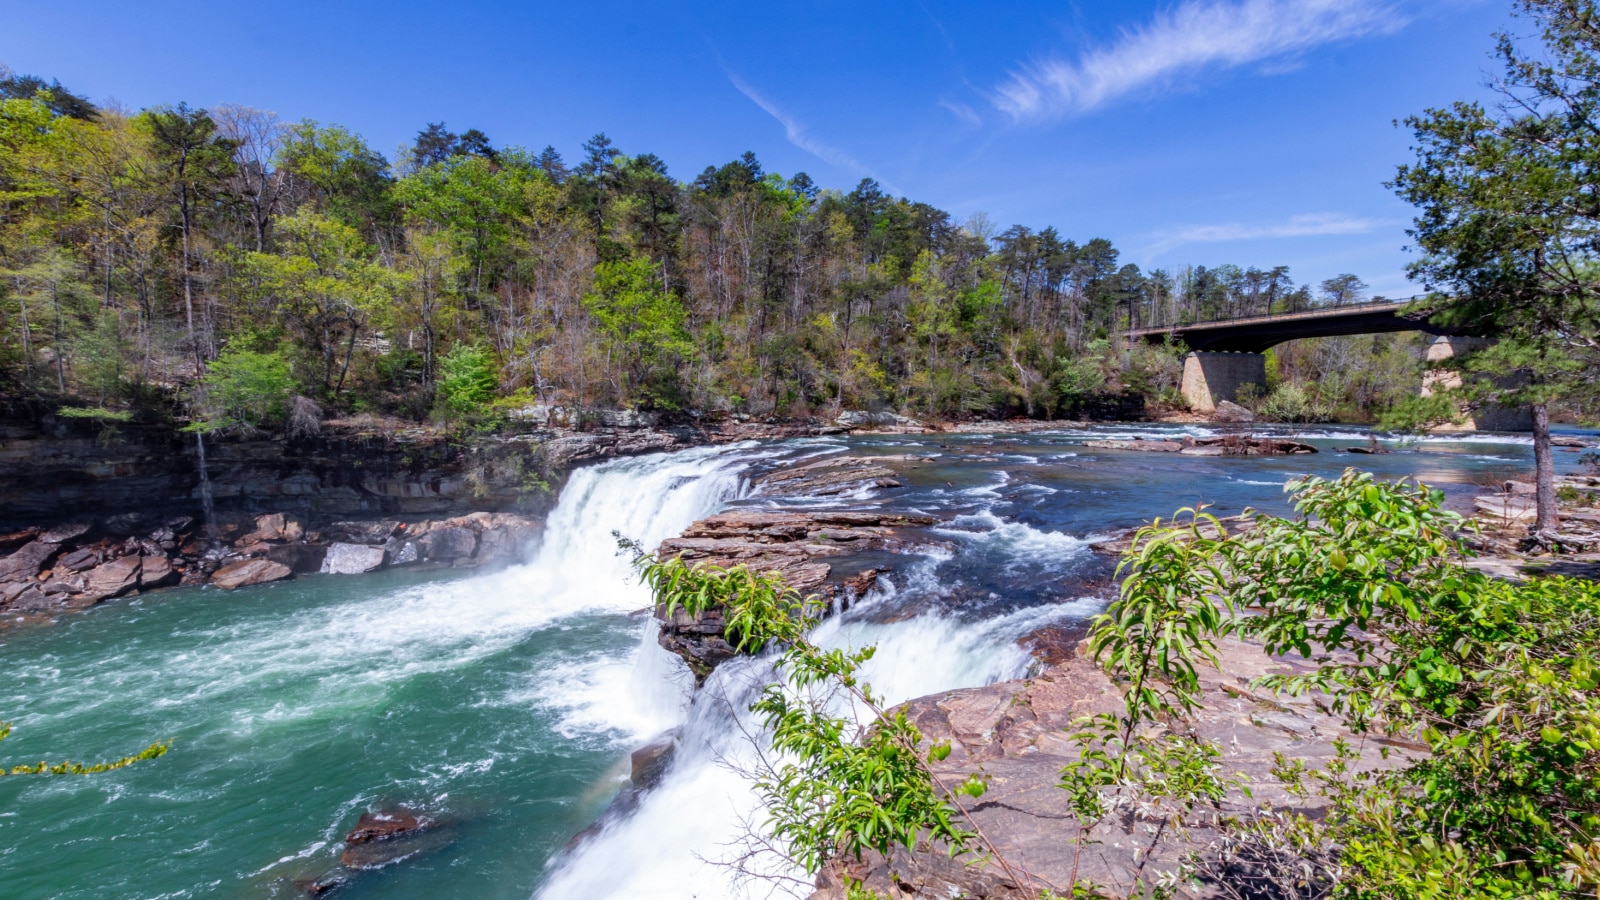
[
  {"x": 467, "y": 383},
  {"x": 243, "y": 388},
  {"x": 850, "y": 776},
  {"x": 1497, "y": 679}
]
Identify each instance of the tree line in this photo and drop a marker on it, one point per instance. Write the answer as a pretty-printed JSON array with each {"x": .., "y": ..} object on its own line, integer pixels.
[{"x": 146, "y": 256}]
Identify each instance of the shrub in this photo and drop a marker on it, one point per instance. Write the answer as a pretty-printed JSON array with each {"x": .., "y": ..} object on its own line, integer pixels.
[
  {"x": 243, "y": 388},
  {"x": 467, "y": 383}
]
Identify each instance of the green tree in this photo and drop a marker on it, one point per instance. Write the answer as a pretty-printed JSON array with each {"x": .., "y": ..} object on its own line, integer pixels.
[
  {"x": 1509, "y": 222},
  {"x": 645, "y": 324},
  {"x": 243, "y": 388},
  {"x": 467, "y": 382}
]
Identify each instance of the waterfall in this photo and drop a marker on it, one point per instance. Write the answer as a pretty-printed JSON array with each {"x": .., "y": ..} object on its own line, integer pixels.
[
  {"x": 207, "y": 502},
  {"x": 678, "y": 842}
]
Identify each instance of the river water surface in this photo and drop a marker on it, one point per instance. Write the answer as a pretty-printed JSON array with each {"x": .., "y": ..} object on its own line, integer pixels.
[{"x": 507, "y": 702}]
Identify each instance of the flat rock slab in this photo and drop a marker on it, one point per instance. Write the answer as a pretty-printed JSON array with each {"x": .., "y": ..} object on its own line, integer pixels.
[
  {"x": 792, "y": 544},
  {"x": 112, "y": 579},
  {"x": 830, "y": 477},
  {"x": 248, "y": 572},
  {"x": 351, "y": 559}
]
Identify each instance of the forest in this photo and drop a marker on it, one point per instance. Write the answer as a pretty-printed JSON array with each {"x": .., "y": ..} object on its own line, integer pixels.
[{"x": 229, "y": 267}]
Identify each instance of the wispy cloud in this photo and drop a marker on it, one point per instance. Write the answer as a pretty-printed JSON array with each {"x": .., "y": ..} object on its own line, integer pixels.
[
  {"x": 962, "y": 111},
  {"x": 1193, "y": 37},
  {"x": 1309, "y": 225},
  {"x": 795, "y": 132}
]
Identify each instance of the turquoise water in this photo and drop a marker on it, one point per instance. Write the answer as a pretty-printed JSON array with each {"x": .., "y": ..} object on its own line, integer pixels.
[{"x": 506, "y": 703}]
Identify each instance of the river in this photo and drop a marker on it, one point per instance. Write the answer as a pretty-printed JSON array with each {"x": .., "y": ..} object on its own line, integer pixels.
[{"x": 507, "y": 702}]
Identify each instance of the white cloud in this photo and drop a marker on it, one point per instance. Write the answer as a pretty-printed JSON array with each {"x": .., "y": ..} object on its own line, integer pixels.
[
  {"x": 796, "y": 133},
  {"x": 963, "y": 112},
  {"x": 1309, "y": 225},
  {"x": 1194, "y": 36}
]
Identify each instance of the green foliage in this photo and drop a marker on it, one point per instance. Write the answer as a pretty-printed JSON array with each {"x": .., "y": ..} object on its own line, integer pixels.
[
  {"x": 1497, "y": 679},
  {"x": 467, "y": 383},
  {"x": 850, "y": 776},
  {"x": 244, "y": 388},
  {"x": 159, "y": 748},
  {"x": 1416, "y": 414},
  {"x": 645, "y": 323}
]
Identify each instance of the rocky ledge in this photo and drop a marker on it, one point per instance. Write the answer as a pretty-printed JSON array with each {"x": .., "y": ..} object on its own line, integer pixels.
[
  {"x": 76, "y": 566},
  {"x": 792, "y": 544},
  {"x": 1222, "y": 445},
  {"x": 1018, "y": 734}
]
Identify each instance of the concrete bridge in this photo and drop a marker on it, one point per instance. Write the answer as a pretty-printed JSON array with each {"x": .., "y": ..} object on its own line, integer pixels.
[{"x": 1226, "y": 355}]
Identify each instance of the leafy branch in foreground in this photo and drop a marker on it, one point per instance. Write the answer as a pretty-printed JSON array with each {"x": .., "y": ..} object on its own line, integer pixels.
[
  {"x": 159, "y": 748},
  {"x": 1497, "y": 680},
  {"x": 851, "y": 776}
]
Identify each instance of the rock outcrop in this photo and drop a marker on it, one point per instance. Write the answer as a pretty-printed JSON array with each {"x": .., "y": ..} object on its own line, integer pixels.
[
  {"x": 1019, "y": 734},
  {"x": 793, "y": 544},
  {"x": 1222, "y": 445}
]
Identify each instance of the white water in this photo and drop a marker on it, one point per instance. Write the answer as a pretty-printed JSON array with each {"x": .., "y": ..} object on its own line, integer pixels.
[{"x": 680, "y": 841}]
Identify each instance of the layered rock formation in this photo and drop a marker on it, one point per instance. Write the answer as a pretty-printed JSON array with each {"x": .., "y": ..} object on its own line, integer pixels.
[
  {"x": 796, "y": 545},
  {"x": 80, "y": 565}
]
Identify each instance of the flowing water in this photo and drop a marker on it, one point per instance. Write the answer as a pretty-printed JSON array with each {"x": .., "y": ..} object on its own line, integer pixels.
[{"x": 507, "y": 702}]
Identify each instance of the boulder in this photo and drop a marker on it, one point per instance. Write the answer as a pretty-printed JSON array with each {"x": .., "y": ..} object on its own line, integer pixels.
[
  {"x": 449, "y": 543},
  {"x": 387, "y": 824},
  {"x": 78, "y": 560},
  {"x": 12, "y": 540},
  {"x": 300, "y": 558},
  {"x": 62, "y": 533},
  {"x": 28, "y": 560},
  {"x": 374, "y": 532},
  {"x": 248, "y": 572},
  {"x": 1231, "y": 412},
  {"x": 351, "y": 559},
  {"x": 402, "y": 552},
  {"x": 389, "y": 836},
  {"x": 156, "y": 571},
  {"x": 650, "y": 762},
  {"x": 65, "y": 583},
  {"x": 113, "y": 579},
  {"x": 269, "y": 527}
]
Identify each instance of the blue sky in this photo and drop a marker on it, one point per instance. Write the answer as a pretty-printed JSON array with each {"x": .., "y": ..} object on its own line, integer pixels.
[{"x": 1257, "y": 132}]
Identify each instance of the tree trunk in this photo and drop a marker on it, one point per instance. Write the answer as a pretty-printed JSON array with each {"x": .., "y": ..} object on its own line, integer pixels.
[{"x": 1548, "y": 519}]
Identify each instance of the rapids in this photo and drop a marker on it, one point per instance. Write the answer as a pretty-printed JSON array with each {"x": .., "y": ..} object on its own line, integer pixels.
[{"x": 507, "y": 702}]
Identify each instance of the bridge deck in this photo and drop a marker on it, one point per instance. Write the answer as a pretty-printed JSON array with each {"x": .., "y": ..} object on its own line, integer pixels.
[{"x": 1255, "y": 334}]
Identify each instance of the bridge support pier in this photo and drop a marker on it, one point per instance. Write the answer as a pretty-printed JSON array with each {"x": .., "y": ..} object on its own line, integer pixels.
[
  {"x": 1210, "y": 378},
  {"x": 1488, "y": 418}
]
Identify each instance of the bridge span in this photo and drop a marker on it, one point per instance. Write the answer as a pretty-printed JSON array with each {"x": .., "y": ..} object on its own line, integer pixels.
[{"x": 1225, "y": 355}]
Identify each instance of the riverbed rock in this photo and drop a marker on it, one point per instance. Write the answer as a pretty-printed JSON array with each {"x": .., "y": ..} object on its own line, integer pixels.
[
  {"x": 301, "y": 558},
  {"x": 1139, "y": 444},
  {"x": 78, "y": 560},
  {"x": 112, "y": 579},
  {"x": 248, "y": 572},
  {"x": 447, "y": 544},
  {"x": 28, "y": 560},
  {"x": 156, "y": 571},
  {"x": 351, "y": 559},
  {"x": 830, "y": 477},
  {"x": 388, "y": 836},
  {"x": 650, "y": 762},
  {"x": 62, "y": 533},
  {"x": 790, "y": 543},
  {"x": 1232, "y": 413}
]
